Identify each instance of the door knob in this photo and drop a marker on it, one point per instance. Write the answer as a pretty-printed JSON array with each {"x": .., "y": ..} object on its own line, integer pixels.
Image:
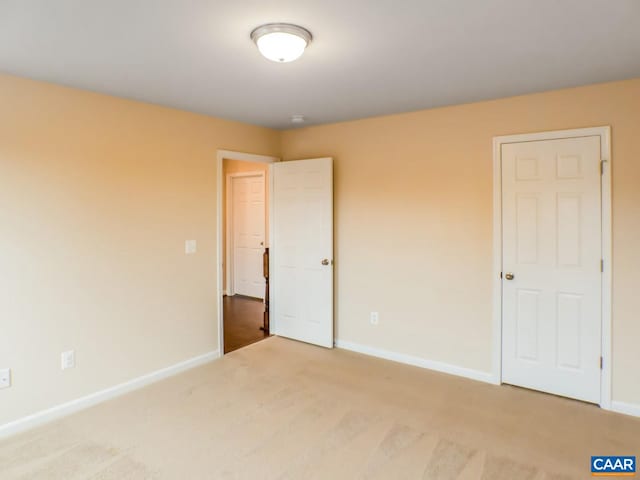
[
  {"x": 325, "y": 261},
  {"x": 509, "y": 276}
]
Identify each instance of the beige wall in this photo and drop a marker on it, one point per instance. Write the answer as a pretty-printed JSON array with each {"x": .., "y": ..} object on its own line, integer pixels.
[
  {"x": 230, "y": 166},
  {"x": 97, "y": 196},
  {"x": 413, "y": 218}
]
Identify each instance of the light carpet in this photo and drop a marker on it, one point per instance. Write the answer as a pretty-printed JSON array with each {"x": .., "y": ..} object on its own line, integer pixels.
[{"x": 280, "y": 409}]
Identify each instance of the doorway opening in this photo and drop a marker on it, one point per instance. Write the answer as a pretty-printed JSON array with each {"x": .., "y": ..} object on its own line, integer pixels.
[
  {"x": 293, "y": 226},
  {"x": 243, "y": 249}
]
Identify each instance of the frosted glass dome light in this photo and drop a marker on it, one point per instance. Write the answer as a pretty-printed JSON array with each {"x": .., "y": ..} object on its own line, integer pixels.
[{"x": 281, "y": 42}]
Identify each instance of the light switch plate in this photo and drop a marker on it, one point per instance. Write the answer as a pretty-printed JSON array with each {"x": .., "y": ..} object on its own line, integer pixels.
[
  {"x": 5, "y": 377},
  {"x": 68, "y": 359},
  {"x": 190, "y": 247}
]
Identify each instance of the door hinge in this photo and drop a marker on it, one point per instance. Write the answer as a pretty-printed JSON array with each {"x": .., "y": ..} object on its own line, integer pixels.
[
  {"x": 602, "y": 167},
  {"x": 500, "y": 274},
  {"x": 601, "y": 362},
  {"x": 602, "y": 265}
]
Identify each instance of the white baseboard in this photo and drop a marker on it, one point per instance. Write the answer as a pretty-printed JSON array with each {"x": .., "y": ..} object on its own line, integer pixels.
[
  {"x": 418, "y": 361},
  {"x": 626, "y": 408},
  {"x": 53, "y": 413}
]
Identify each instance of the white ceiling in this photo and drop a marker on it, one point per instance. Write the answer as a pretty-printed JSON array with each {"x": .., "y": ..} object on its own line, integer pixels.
[{"x": 368, "y": 57}]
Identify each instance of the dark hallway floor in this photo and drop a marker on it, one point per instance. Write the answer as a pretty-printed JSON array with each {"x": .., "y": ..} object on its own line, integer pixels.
[{"x": 243, "y": 318}]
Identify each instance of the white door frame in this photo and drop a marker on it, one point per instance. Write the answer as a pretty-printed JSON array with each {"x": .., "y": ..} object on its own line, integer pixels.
[
  {"x": 605, "y": 155},
  {"x": 245, "y": 157},
  {"x": 229, "y": 223}
]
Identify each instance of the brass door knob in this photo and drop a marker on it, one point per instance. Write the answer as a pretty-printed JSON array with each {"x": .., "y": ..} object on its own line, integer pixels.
[{"x": 509, "y": 276}]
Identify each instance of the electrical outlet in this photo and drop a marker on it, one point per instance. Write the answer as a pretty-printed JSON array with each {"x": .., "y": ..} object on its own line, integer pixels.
[
  {"x": 68, "y": 359},
  {"x": 190, "y": 246},
  {"x": 5, "y": 378},
  {"x": 374, "y": 318}
]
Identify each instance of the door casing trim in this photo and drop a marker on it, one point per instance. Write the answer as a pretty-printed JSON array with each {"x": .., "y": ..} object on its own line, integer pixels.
[{"x": 604, "y": 133}]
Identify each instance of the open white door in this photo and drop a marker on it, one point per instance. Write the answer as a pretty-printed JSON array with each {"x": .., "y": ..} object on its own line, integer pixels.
[{"x": 302, "y": 250}]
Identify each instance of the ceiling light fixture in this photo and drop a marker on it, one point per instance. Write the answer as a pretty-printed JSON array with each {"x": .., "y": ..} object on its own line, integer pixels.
[{"x": 281, "y": 42}]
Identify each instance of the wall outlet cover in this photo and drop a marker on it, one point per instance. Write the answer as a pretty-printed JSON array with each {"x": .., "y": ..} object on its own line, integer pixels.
[
  {"x": 190, "y": 247},
  {"x": 68, "y": 359},
  {"x": 5, "y": 377}
]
